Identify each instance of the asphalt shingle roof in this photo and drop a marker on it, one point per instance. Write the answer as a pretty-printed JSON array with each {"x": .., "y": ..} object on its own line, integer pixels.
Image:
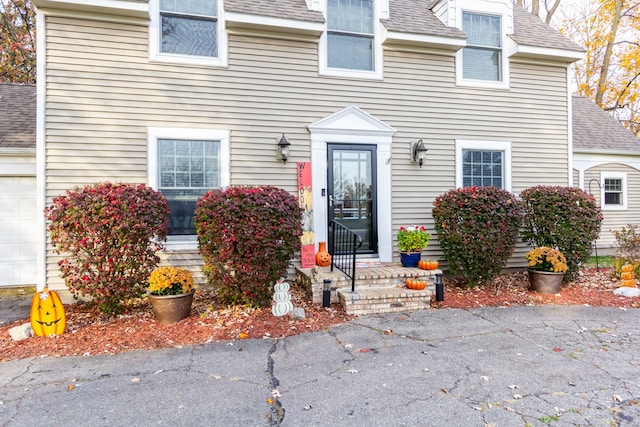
[
  {"x": 529, "y": 30},
  {"x": 287, "y": 9},
  {"x": 595, "y": 129},
  {"x": 416, "y": 17},
  {"x": 18, "y": 117}
]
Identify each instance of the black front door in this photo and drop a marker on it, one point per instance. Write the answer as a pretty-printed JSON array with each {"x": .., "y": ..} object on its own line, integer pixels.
[{"x": 352, "y": 191}]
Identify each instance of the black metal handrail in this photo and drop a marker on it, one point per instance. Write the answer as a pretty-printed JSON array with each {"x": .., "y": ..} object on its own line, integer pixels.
[{"x": 344, "y": 244}]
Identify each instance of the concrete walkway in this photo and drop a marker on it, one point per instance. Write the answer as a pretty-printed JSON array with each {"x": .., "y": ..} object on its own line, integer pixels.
[{"x": 519, "y": 366}]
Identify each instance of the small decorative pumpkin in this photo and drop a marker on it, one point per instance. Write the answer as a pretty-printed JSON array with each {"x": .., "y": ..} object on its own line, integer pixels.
[
  {"x": 323, "y": 258},
  {"x": 627, "y": 268},
  {"x": 47, "y": 314},
  {"x": 428, "y": 264},
  {"x": 415, "y": 284},
  {"x": 627, "y": 275},
  {"x": 630, "y": 283}
]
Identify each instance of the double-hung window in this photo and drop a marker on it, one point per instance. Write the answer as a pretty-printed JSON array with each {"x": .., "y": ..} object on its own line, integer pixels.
[
  {"x": 189, "y": 27},
  {"x": 483, "y": 164},
  {"x": 187, "y": 32},
  {"x": 350, "y": 34},
  {"x": 183, "y": 165},
  {"x": 614, "y": 189},
  {"x": 482, "y": 57}
]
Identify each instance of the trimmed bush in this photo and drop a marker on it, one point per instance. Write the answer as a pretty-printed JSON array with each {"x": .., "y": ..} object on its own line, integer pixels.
[
  {"x": 564, "y": 218},
  {"x": 247, "y": 237},
  {"x": 110, "y": 234},
  {"x": 477, "y": 229}
]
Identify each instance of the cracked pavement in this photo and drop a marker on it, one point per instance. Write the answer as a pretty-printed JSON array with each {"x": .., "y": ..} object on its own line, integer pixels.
[{"x": 517, "y": 366}]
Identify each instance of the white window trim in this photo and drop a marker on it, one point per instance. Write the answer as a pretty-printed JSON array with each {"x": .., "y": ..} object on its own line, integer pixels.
[
  {"x": 504, "y": 146},
  {"x": 485, "y": 8},
  {"x": 324, "y": 70},
  {"x": 613, "y": 175},
  {"x": 153, "y": 135},
  {"x": 154, "y": 41}
]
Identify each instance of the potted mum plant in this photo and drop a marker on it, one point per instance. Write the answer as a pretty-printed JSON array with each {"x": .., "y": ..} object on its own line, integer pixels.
[
  {"x": 171, "y": 293},
  {"x": 546, "y": 269},
  {"x": 411, "y": 241}
]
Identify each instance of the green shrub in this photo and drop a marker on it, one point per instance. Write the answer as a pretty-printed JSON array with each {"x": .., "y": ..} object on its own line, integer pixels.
[
  {"x": 477, "y": 229},
  {"x": 247, "y": 237},
  {"x": 110, "y": 234},
  {"x": 564, "y": 218}
]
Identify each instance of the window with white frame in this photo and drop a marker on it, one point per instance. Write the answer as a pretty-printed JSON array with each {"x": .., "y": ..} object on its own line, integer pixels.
[
  {"x": 482, "y": 57},
  {"x": 614, "y": 190},
  {"x": 483, "y": 164},
  {"x": 187, "y": 31},
  {"x": 183, "y": 165},
  {"x": 350, "y": 34}
]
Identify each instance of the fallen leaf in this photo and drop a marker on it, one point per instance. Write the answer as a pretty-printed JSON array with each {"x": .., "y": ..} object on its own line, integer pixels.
[
  {"x": 70, "y": 387},
  {"x": 557, "y": 349},
  {"x": 364, "y": 350}
]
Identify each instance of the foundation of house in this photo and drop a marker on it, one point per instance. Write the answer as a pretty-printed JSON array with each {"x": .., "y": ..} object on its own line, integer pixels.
[{"x": 379, "y": 288}]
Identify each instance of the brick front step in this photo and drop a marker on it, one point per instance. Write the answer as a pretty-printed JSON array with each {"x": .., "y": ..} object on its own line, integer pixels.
[
  {"x": 387, "y": 278},
  {"x": 371, "y": 300}
]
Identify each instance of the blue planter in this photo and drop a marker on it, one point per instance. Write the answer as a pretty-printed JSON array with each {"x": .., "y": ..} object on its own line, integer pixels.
[{"x": 410, "y": 260}]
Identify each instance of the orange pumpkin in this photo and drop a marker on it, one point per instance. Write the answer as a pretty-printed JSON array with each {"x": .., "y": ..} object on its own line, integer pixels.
[
  {"x": 630, "y": 283},
  {"x": 627, "y": 275},
  {"x": 627, "y": 268},
  {"x": 428, "y": 264},
  {"x": 415, "y": 284},
  {"x": 323, "y": 258},
  {"x": 47, "y": 314}
]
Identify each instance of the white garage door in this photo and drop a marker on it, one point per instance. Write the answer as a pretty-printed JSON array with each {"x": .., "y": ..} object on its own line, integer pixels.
[{"x": 17, "y": 230}]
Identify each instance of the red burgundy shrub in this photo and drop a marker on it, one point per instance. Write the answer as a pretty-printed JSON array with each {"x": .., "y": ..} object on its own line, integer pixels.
[
  {"x": 564, "y": 218},
  {"x": 477, "y": 229},
  {"x": 109, "y": 235},
  {"x": 247, "y": 237}
]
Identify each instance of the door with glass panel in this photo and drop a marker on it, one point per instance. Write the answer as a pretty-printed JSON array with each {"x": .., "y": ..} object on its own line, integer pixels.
[{"x": 352, "y": 191}]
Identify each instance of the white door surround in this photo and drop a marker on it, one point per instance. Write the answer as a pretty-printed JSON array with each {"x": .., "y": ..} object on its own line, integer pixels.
[{"x": 352, "y": 126}]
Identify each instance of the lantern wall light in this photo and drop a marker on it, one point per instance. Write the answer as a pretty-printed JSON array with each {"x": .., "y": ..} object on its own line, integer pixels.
[
  {"x": 418, "y": 152},
  {"x": 283, "y": 148}
]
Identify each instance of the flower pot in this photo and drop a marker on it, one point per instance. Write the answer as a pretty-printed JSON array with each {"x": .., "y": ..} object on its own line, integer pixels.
[
  {"x": 172, "y": 308},
  {"x": 545, "y": 282},
  {"x": 410, "y": 259},
  {"x": 323, "y": 258}
]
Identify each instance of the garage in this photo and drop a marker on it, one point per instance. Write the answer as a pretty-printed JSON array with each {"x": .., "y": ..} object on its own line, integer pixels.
[
  {"x": 18, "y": 234},
  {"x": 18, "y": 245}
]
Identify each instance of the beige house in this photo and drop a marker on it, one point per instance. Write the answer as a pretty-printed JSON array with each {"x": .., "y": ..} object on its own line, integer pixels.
[
  {"x": 188, "y": 96},
  {"x": 606, "y": 162}
]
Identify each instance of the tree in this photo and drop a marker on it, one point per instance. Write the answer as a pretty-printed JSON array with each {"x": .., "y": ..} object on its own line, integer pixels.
[
  {"x": 17, "y": 41},
  {"x": 609, "y": 75},
  {"x": 550, "y": 7}
]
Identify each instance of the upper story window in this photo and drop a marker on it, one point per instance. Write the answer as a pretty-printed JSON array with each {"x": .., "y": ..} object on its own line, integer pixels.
[
  {"x": 482, "y": 57},
  {"x": 350, "y": 35},
  {"x": 614, "y": 190},
  {"x": 483, "y": 164},
  {"x": 187, "y": 31},
  {"x": 189, "y": 27},
  {"x": 351, "y": 45}
]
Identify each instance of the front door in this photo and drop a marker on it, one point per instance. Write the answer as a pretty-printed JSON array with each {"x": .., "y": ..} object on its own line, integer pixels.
[{"x": 352, "y": 191}]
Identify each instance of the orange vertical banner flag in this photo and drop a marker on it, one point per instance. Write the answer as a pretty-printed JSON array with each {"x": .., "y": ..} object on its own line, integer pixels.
[{"x": 306, "y": 203}]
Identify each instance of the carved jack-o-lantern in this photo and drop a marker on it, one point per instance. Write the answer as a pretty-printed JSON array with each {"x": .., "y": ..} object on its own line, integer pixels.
[
  {"x": 323, "y": 258},
  {"x": 47, "y": 314}
]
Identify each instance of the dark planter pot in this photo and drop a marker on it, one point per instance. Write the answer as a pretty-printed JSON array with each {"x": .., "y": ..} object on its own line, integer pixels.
[
  {"x": 172, "y": 308},
  {"x": 545, "y": 282},
  {"x": 410, "y": 259}
]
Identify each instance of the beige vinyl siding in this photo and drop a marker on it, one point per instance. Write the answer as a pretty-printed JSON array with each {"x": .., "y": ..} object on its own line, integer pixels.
[
  {"x": 615, "y": 219},
  {"x": 102, "y": 93}
]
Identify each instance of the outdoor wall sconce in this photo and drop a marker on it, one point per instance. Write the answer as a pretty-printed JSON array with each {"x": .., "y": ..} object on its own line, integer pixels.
[
  {"x": 283, "y": 149},
  {"x": 419, "y": 152}
]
